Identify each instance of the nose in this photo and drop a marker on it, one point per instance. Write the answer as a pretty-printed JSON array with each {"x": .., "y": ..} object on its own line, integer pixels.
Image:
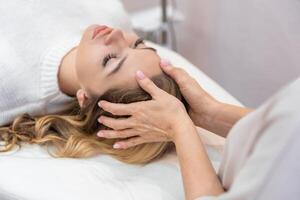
[{"x": 115, "y": 36}]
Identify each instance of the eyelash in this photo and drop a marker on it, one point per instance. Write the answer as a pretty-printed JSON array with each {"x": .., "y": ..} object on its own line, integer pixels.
[
  {"x": 112, "y": 55},
  {"x": 108, "y": 57},
  {"x": 139, "y": 41}
]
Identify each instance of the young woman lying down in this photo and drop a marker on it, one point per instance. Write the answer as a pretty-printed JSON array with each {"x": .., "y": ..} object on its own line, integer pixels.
[{"x": 56, "y": 104}]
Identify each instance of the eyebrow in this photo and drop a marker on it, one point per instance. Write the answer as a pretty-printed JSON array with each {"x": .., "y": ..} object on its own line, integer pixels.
[
  {"x": 120, "y": 64},
  {"x": 147, "y": 48}
]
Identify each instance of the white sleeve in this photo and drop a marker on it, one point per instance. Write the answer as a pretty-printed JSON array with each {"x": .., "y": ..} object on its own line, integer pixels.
[{"x": 272, "y": 171}]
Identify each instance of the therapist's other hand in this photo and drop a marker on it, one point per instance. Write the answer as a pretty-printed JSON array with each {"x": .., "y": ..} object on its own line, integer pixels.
[
  {"x": 155, "y": 120},
  {"x": 201, "y": 104}
]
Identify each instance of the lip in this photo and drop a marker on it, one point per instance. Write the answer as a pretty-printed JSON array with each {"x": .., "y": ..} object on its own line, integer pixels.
[{"x": 98, "y": 30}]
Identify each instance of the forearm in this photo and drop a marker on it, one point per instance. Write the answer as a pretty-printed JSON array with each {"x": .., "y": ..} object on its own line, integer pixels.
[
  {"x": 222, "y": 117},
  {"x": 198, "y": 174}
]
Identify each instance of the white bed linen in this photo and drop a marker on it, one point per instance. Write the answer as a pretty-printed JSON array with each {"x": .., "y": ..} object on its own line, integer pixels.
[{"x": 31, "y": 173}]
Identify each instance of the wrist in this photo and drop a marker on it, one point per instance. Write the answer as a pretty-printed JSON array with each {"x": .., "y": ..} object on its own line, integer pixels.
[{"x": 183, "y": 130}]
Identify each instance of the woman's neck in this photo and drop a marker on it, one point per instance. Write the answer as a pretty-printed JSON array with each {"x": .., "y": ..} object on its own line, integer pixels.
[{"x": 67, "y": 77}]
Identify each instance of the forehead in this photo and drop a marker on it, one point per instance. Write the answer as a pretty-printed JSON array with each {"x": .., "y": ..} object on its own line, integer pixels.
[{"x": 144, "y": 60}]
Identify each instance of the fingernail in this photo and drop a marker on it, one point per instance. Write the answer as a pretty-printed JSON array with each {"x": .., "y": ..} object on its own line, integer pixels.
[
  {"x": 117, "y": 146},
  {"x": 100, "y": 120},
  {"x": 140, "y": 75},
  {"x": 165, "y": 63},
  {"x": 100, "y": 103},
  {"x": 100, "y": 134}
]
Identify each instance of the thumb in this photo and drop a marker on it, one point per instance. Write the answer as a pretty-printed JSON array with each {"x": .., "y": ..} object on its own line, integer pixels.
[{"x": 179, "y": 75}]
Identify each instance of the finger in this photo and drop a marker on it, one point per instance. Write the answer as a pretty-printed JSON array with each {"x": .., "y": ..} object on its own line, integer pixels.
[
  {"x": 111, "y": 134},
  {"x": 116, "y": 108},
  {"x": 179, "y": 75},
  {"x": 147, "y": 84},
  {"x": 125, "y": 144},
  {"x": 116, "y": 124},
  {"x": 165, "y": 63}
]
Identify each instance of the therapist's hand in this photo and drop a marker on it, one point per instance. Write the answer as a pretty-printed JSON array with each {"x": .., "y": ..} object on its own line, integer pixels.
[
  {"x": 202, "y": 106},
  {"x": 204, "y": 110},
  {"x": 156, "y": 120}
]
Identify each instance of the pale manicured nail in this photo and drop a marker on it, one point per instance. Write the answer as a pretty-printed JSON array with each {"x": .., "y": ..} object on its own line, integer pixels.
[
  {"x": 165, "y": 63},
  {"x": 140, "y": 75},
  {"x": 100, "y": 103},
  {"x": 117, "y": 146},
  {"x": 100, "y": 134},
  {"x": 100, "y": 120}
]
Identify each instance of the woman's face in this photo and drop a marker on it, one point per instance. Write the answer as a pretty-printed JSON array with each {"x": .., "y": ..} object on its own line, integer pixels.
[{"x": 108, "y": 58}]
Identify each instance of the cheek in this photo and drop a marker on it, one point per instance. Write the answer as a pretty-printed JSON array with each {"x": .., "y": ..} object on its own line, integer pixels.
[
  {"x": 89, "y": 70},
  {"x": 86, "y": 66},
  {"x": 81, "y": 64},
  {"x": 88, "y": 59}
]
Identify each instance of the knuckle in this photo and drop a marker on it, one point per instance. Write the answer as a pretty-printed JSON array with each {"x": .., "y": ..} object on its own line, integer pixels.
[
  {"x": 106, "y": 107},
  {"x": 180, "y": 70},
  {"x": 110, "y": 135},
  {"x": 183, "y": 80},
  {"x": 177, "y": 71},
  {"x": 135, "y": 142},
  {"x": 114, "y": 133},
  {"x": 134, "y": 122},
  {"x": 139, "y": 111},
  {"x": 135, "y": 110},
  {"x": 179, "y": 75},
  {"x": 107, "y": 134},
  {"x": 120, "y": 135},
  {"x": 108, "y": 121},
  {"x": 148, "y": 83},
  {"x": 123, "y": 134},
  {"x": 125, "y": 145},
  {"x": 139, "y": 115},
  {"x": 118, "y": 126},
  {"x": 114, "y": 111}
]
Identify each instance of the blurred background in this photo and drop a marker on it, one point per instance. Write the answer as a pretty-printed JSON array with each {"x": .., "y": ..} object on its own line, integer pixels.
[{"x": 236, "y": 45}]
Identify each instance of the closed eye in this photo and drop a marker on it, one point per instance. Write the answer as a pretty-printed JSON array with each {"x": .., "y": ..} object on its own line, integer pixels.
[
  {"x": 141, "y": 41},
  {"x": 107, "y": 58},
  {"x": 138, "y": 42}
]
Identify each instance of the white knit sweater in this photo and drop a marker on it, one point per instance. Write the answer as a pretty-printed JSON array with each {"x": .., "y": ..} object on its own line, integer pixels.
[{"x": 34, "y": 36}]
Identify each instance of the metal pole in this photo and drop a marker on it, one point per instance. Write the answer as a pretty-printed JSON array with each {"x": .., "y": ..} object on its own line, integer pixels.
[{"x": 164, "y": 34}]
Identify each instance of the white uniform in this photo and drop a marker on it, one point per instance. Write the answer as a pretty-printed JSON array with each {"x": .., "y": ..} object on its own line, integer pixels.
[{"x": 261, "y": 159}]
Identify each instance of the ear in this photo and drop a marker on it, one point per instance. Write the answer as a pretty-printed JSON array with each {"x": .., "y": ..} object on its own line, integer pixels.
[{"x": 82, "y": 97}]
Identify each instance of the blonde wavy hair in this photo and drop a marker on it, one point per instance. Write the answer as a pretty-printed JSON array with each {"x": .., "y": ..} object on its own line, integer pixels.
[{"x": 73, "y": 132}]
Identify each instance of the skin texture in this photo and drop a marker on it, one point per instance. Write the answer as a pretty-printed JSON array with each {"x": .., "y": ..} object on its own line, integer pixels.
[
  {"x": 163, "y": 117},
  {"x": 83, "y": 74},
  {"x": 204, "y": 111}
]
